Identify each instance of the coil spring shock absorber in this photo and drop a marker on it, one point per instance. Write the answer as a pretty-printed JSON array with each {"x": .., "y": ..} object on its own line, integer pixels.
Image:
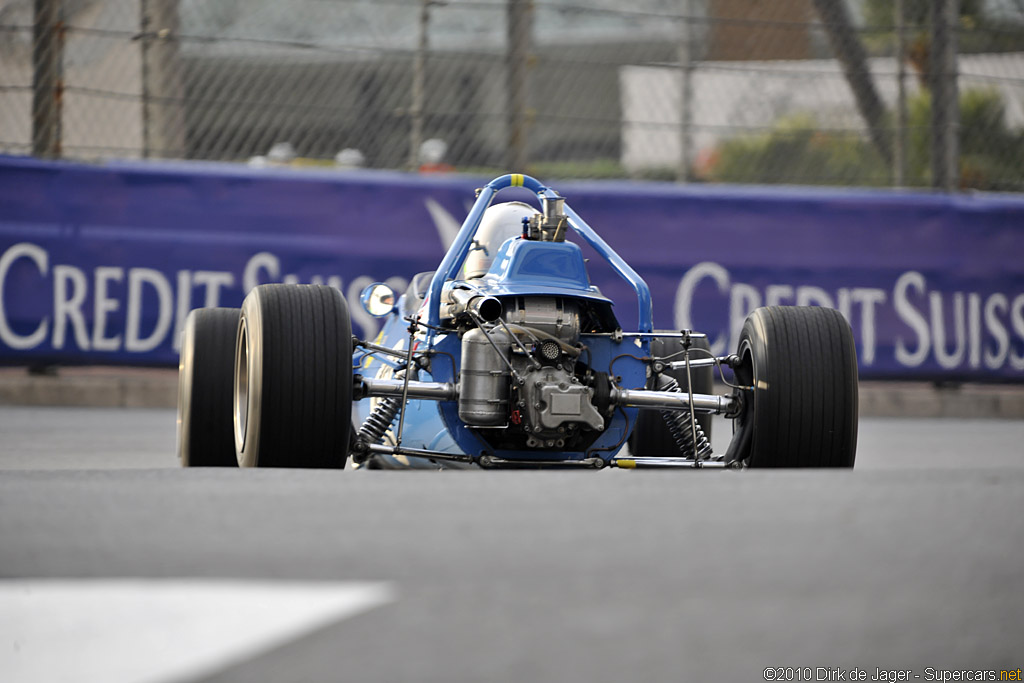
[
  {"x": 380, "y": 420},
  {"x": 376, "y": 425},
  {"x": 680, "y": 426}
]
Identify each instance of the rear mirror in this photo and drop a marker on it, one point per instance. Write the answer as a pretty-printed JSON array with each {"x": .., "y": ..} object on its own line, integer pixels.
[{"x": 378, "y": 299}]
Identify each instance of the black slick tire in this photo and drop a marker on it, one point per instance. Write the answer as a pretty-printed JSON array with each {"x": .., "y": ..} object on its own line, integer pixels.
[
  {"x": 651, "y": 436},
  {"x": 205, "y": 380},
  {"x": 292, "y": 401},
  {"x": 802, "y": 410}
]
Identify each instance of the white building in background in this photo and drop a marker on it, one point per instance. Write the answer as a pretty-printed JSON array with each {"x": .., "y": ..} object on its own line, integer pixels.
[{"x": 742, "y": 98}]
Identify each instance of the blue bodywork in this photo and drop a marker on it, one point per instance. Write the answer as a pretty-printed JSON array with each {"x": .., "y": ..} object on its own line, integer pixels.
[
  {"x": 526, "y": 268},
  {"x": 521, "y": 268}
]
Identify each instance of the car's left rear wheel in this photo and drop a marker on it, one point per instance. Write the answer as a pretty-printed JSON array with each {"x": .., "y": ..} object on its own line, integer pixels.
[
  {"x": 293, "y": 378},
  {"x": 205, "y": 378}
]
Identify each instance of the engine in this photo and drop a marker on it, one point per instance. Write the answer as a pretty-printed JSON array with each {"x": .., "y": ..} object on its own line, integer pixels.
[{"x": 524, "y": 381}]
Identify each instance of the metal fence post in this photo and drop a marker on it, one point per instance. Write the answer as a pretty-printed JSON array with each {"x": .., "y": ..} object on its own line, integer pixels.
[
  {"x": 520, "y": 15},
  {"x": 419, "y": 68},
  {"x": 685, "y": 91},
  {"x": 146, "y": 28},
  {"x": 163, "y": 91},
  {"x": 945, "y": 97},
  {"x": 899, "y": 151},
  {"x": 47, "y": 77}
]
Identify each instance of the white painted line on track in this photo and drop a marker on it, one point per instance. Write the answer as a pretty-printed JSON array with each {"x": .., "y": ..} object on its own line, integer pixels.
[{"x": 160, "y": 630}]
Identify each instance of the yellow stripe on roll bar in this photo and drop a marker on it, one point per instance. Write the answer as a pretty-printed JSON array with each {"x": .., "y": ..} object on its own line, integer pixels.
[{"x": 517, "y": 180}]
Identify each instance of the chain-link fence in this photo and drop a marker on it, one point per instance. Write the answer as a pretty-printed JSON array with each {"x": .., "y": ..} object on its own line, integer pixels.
[{"x": 842, "y": 92}]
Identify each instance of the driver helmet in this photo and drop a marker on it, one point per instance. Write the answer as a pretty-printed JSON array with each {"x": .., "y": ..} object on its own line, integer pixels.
[{"x": 499, "y": 223}]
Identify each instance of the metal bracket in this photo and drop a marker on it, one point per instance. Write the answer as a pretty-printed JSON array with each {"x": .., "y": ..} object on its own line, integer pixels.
[
  {"x": 658, "y": 462},
  {"x": 490, "y": 461}
]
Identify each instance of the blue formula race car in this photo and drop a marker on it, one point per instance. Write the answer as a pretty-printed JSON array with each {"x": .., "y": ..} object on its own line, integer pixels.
[{"x": 507, "y": 356}]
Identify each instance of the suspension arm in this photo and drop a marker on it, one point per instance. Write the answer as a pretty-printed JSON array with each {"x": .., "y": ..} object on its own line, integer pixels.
[
  {"x": 666, "y": 400},
  {"x": 431, "y": 391},
  {"x": 639, "y": 398},
  {"x": 417, "y": 453},
  {"x": 377, "y": 348},
  {"x": 731, "y": 361}
]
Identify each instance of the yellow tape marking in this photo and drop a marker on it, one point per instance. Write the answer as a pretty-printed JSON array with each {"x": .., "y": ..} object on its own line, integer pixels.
[
  {"x": 517, "y": 180},
  {"x": 626, "y": 464}
]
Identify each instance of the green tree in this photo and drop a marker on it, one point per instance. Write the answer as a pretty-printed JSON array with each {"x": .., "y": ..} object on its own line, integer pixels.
[
  {"x": 981, "y": 30},
  {"x": 798, "y": 151},
  {"x": 991, "y": 153},
  {"x": 881, "y": 13}
]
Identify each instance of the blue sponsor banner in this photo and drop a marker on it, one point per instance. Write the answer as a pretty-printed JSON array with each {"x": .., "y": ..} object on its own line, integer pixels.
[{"x": 101, "y": 264}]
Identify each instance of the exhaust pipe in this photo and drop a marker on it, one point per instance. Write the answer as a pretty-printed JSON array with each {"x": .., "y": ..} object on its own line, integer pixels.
[{"x": 487, "y": 308}]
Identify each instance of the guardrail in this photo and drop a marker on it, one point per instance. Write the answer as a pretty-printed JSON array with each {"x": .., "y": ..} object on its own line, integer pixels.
[{"x": 99, "y": 264}]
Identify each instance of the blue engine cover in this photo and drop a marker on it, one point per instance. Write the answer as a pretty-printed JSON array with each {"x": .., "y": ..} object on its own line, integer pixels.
[{"x": 524, "y": 267}]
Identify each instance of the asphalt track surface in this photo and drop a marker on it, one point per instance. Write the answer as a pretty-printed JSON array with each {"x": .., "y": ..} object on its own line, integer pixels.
[{"x": 913, "y": 560}]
